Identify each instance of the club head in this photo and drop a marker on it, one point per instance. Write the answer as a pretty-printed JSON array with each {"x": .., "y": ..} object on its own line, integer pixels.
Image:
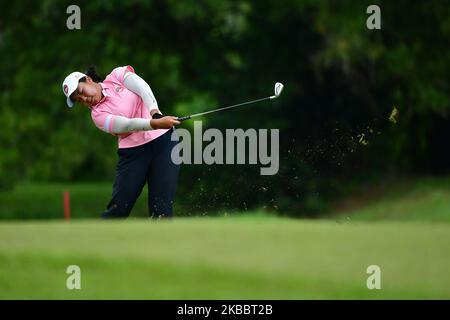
[{"x": 278, "y": 89}]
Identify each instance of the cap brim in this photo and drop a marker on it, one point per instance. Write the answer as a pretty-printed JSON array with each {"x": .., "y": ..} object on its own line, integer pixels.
[{"x": 69, "y": 102}]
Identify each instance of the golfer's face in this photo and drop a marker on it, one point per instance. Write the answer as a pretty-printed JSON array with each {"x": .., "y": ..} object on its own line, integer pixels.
[{"x": 87, "y": 93}]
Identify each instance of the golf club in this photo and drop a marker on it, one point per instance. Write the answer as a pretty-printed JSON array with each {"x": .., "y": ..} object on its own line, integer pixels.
[{"x": 278, "y": 88}]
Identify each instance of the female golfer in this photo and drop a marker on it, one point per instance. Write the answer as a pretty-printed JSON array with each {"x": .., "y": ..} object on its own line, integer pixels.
[{"x": 124, "y": 105}]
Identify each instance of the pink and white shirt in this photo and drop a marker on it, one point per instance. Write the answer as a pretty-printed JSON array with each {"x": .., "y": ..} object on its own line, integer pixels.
[{"x": 119, "y": 101}]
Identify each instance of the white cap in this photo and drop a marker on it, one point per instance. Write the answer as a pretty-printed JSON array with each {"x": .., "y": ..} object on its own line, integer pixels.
[{"x": 70, "y": 84}]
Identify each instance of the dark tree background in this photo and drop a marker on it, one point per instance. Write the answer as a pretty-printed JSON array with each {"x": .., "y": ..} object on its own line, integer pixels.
[{"x": 341, "y": 83}]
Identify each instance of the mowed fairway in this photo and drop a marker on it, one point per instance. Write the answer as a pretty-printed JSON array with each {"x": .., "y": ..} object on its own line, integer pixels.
[{"x": 224, "y": 258}]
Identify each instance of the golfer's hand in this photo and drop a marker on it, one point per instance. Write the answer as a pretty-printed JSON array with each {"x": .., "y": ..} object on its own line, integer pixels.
[{"x": 166, "y": 122}]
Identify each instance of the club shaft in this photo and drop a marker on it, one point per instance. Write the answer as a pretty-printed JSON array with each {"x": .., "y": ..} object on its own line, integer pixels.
[{"x": 223, "y": 108}]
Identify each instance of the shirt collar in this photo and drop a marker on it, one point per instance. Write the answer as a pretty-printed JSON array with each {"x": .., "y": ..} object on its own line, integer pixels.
[{"x": 105, "y": 90}]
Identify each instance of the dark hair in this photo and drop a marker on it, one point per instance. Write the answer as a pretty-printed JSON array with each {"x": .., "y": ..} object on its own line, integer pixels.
[{"x": 91, "y": 72}]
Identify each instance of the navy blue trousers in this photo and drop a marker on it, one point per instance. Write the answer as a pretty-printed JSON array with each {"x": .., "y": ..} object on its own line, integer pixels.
[{"x": 150, "y": 164}]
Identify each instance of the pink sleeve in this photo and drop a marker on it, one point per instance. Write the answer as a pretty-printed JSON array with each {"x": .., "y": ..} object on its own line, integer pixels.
[
  {"x": 119, "y": 72},
  {"x": 104, "y": 121}
]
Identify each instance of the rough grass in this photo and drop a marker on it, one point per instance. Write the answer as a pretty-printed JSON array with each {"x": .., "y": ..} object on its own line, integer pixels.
[
  {"x": 424, "y": 199},
  {"x": 33, "y": 201}
]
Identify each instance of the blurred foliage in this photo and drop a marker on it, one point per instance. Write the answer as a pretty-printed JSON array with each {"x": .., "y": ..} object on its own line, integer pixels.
[{"x": 342, "y": 80}]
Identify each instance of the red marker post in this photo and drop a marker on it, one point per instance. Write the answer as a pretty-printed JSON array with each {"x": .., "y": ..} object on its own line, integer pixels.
[{"x": 66, "y": 204}]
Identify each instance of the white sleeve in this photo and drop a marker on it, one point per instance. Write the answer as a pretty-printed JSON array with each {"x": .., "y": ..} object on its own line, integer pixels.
[
  {"x": 138, "y": 85},
  {"x": 122, "y": 124}
]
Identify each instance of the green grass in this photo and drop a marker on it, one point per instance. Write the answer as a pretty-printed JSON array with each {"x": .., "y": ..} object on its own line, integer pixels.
[
  {"x": 397, "y": 226},
  {"x": 226, "y": 258}
]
